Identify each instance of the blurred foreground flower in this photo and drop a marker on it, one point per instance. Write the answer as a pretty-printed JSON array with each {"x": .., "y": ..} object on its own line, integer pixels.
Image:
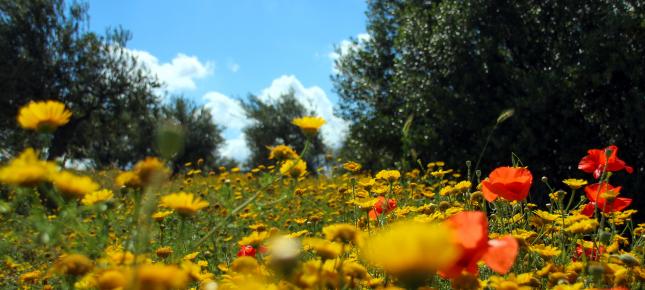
[
  {"x": 472, "y": 232},
  {"x": 27, "y": 170},
  {"x": 413, "y": 251}
]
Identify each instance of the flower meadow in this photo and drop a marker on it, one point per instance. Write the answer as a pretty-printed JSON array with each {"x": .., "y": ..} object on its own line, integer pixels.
[{"x": 281, "y": 226}]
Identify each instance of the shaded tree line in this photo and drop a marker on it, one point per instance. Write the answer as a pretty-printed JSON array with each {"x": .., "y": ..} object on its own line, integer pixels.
[{"x": 434, "y": 76}]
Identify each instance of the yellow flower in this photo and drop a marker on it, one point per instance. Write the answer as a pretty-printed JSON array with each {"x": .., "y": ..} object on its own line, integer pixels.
[
  {"x": 462, "y": 186},
  {"x": 255, "y": 239},
  {"x": 97, "y": 196},
  {"x": 43, "y": 116},
  {"x": 440, "y": 173},
  {"x": 545, "y": 251},
  {"x": 389, "y": 175},
  {"x": 282, "y": 152},
  {"x": 185, "y": 204},
  {"x": 73, "y": 264},
  {"x": 160, "y": 277},
  {"x": 575, "y": 183},
  {"x": 344, "y": 233},
  {"x": 412, "y": 251},
  {"x": 150, "y": 170},
  {"x": 309, "y": 125},
  {"x": 128, "y": 179},
  {"x": 26, "y": 170},
  {"x": 352, "y": 166},
  {"x": 112, "y": 279},
  {"x": 323, "y": 248},
  {"x": 74, "y": 186},
  {"x": 160, "y": 215},
  {"x": 582, "y": 227},
  {"x": 164, "y": 252},
  {"x": 294, "y": 168},
  {"x": 512, "y": 282},
  {"x": 545, "y": 215},
  {"x": 30, "y": 277}
]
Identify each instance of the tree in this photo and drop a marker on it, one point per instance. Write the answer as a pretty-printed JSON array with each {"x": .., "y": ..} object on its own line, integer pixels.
[
  {"x": 572, "y": 72},
  {"x": 202, "y": 138},
  {"x": 451, "y": 67},
  {"x": 272, "y": 126},
  {"x": 47, "y": 52}
]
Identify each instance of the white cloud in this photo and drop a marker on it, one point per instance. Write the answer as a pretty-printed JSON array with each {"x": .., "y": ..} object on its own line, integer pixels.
[
  {"x": 313, "y": 99},
  {"x": 179, "y": 74},
  {"x": 233, "y": 67},
  {"x": 228, "y": 112},
  {"x": 236, "y": 148},
  {"x": 345, "y": 47}
]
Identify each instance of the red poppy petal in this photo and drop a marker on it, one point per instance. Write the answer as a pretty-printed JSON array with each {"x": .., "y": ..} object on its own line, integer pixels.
[
  {"x": 587, "y": 164},
  {"x": 588, "y": 209},
  {"x": 471, "y": 228},
  {"x": 489, "y": 195},
  {"x": 621, "y": 203},
  {"x": 501, "y": 254},
  {"x": 372, "y": 215}
]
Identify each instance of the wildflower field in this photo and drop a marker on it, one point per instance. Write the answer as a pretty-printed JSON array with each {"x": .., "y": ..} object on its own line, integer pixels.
[{"x": 279, "y": 226}]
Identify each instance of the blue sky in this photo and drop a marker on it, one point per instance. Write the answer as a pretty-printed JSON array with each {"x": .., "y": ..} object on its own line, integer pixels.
[{"x": 217, "y": 52}]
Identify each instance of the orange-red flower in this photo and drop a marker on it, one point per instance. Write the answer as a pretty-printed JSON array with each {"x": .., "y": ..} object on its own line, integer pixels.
[
  {"x": 472, "y": 236},
  {"x": 511, "y": 183},
  {"x": 596, "y": 194},
  {"x": 378, "y": 207},
  {"x": 597, "y": 159}
]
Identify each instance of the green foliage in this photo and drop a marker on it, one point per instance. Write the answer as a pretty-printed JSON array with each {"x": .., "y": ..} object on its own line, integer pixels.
[
  {"x": 572, "y": 72},
  {"x": 272, "y": 126},
  {"x": 47, "y": 52},
  {"x": 202, "y": 138}
]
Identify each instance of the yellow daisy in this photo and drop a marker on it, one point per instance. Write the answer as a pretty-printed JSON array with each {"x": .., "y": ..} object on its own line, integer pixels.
[
  {"x": 43, "y": 116},
  {"x": 309, "y": 125},
  {"x": 185, "y": 204}
]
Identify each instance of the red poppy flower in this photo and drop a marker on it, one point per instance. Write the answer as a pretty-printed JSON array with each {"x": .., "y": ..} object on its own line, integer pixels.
[
  {"x": 591, "y": 253},
  {"x": 511, "y": 183},
  {"x": 378, "y": 207},
  {"x": 595, "y": 192},
  {"x": 246, "y": 250},
  {"x": 596, "y": 160},
  {"x": 472, "y": 235}
]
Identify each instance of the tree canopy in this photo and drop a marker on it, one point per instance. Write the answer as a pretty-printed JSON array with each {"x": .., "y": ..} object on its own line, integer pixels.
[{"x": 449, "y": 68}]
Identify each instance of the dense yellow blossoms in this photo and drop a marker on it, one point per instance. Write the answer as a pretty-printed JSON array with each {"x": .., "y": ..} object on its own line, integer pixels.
[
  {"x": 27, "y": 170},
  {"x": 44, "y": 116},
  {"x": 309, "y": 125},
  {"x": 185, "y": 204},
  {"x": 389, "y": 175}
]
